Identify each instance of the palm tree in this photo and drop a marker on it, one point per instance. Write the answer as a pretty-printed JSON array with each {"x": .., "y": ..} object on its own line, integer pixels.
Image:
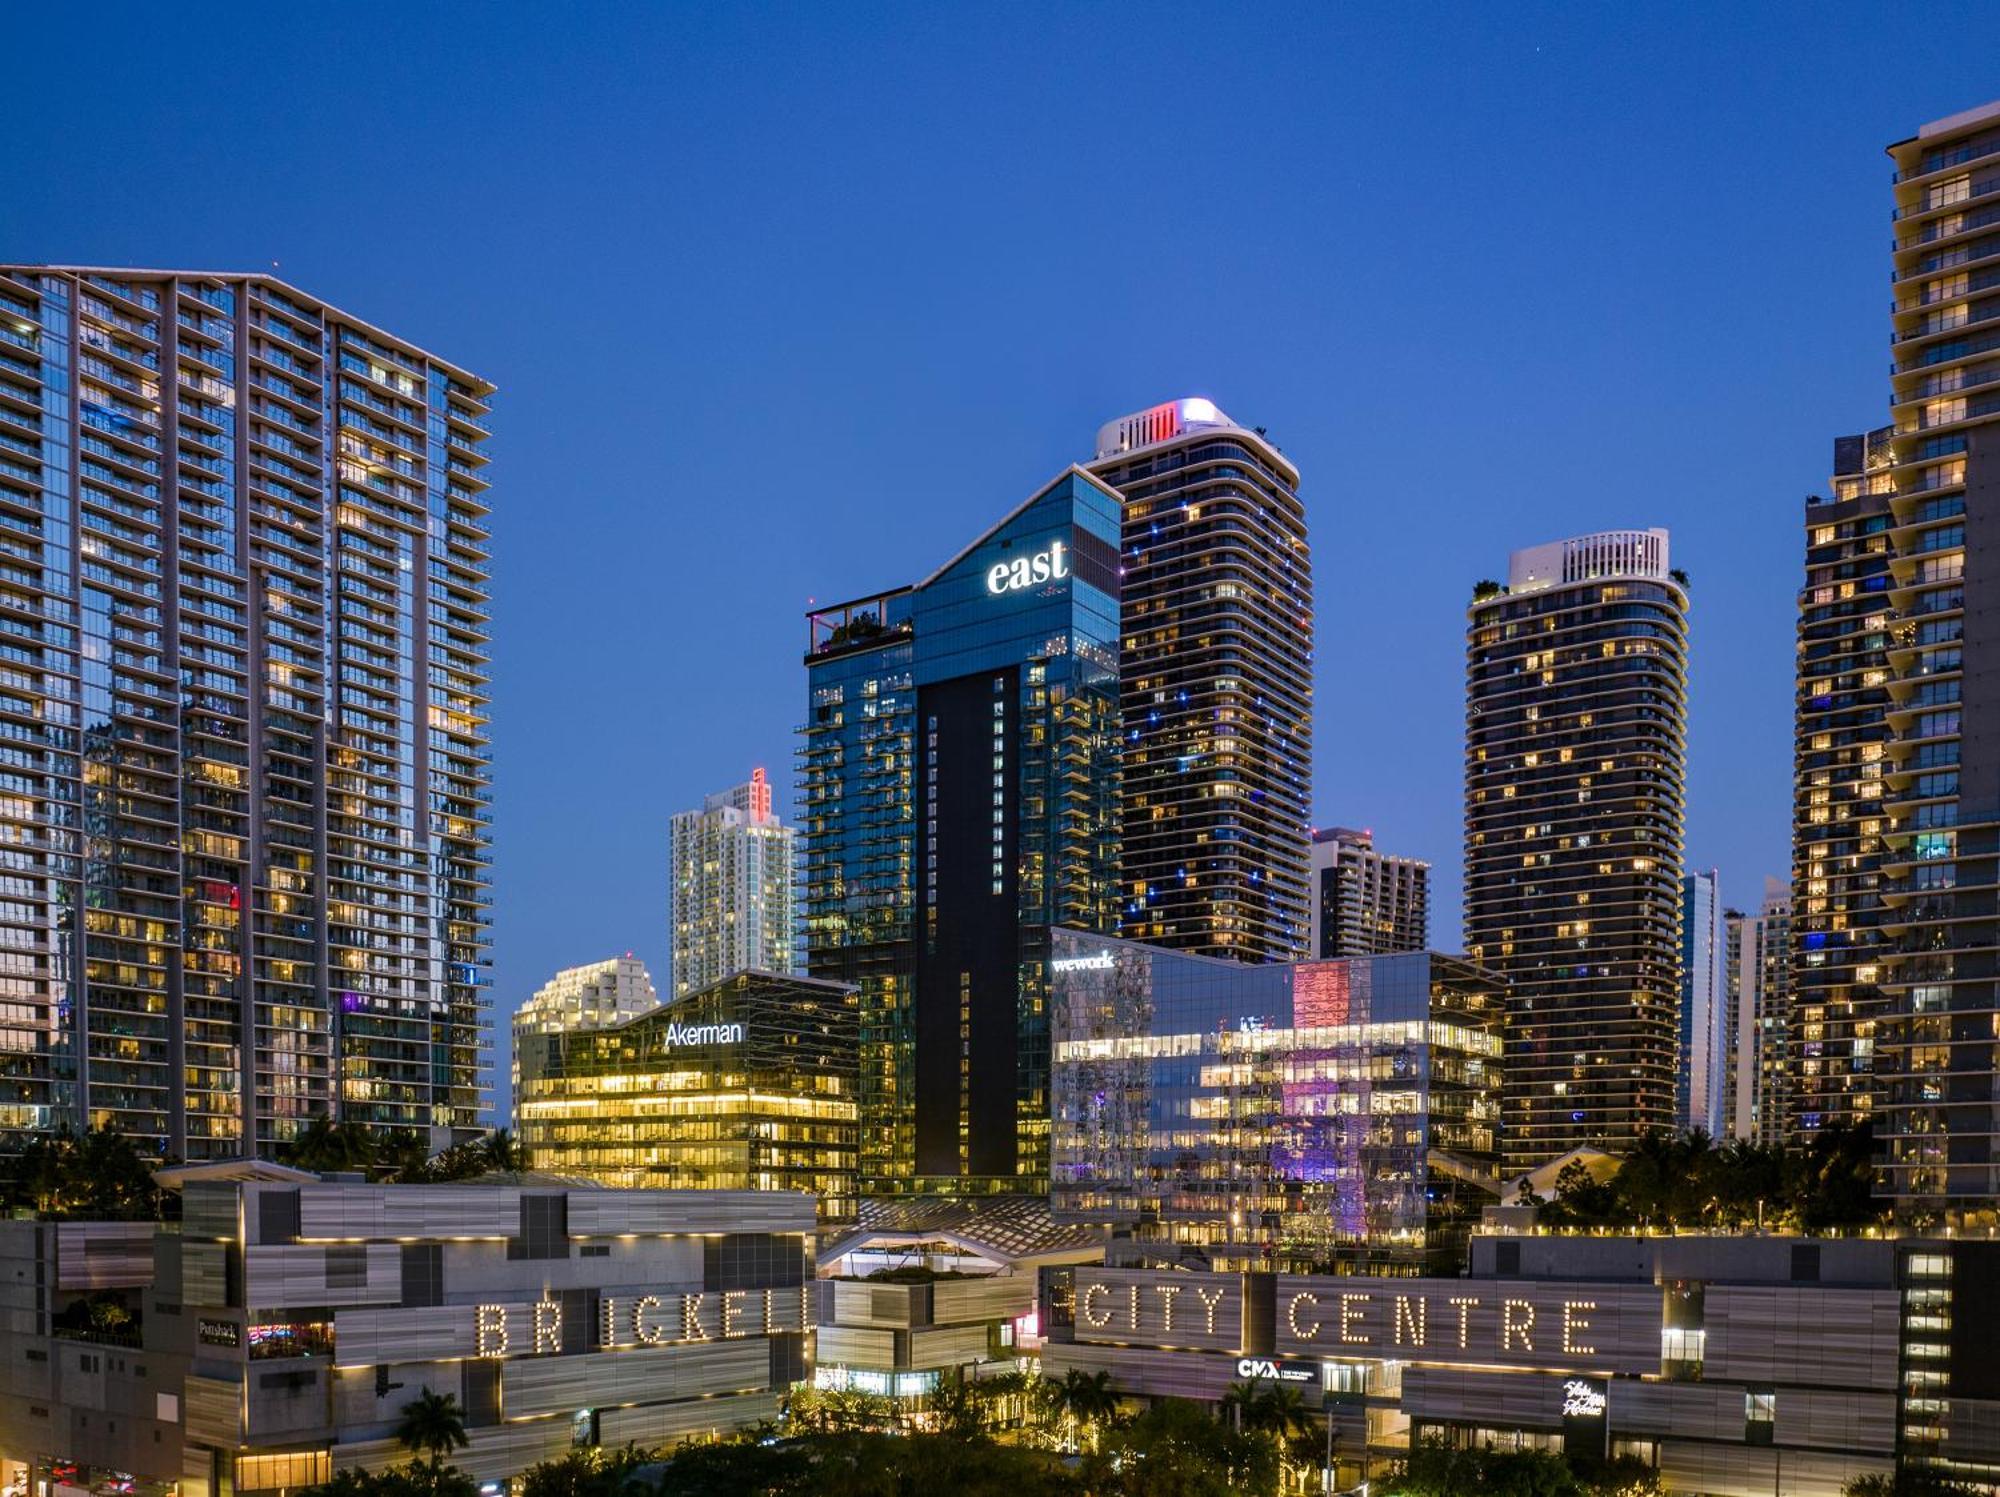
[
  {"x": 504, "y": 1152},
  {"x": 1087, "y": 1398},
  {"x": 433, "y": 1425},
  {"x": 327, "y": 1145}
]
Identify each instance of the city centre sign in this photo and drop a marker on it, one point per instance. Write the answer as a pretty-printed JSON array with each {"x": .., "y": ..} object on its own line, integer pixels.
[{"x": 1050, "y": 565}]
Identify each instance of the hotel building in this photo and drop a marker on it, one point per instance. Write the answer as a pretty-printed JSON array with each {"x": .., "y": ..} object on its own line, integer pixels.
[
  {"x": 747, "y": 1084},
  {"x": 1733, "y": 1366},
  {"x": 1700, "y": 1081},
  {"x": 1839, "y": 747},
  {"x": 1759, "y": 966},
  {"x": 958, "y": 777},
  {"x": 589, "y": 997},
  {"x": 278, "y": 1330},
  {"x": 1339, "y": 1114},
  {"x": 731, "y": 865},
  {"x": 245, "y": 601},
  {"x": 1216, "y": 683},
  {"x": 1575, "y": 791},
  {"x": 1365, "y": 902}
]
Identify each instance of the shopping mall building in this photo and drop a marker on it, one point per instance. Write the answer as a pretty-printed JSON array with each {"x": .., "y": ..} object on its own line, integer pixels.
[
  {"x": 1738, "y": 1366},
  {"x": 275, "y": 1333}
]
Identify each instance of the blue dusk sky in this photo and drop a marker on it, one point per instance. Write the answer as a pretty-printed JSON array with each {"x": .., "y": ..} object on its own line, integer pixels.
[{"x": 790, "y": 303}]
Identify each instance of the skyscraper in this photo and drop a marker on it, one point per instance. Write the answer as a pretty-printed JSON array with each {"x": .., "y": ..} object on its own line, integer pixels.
[
  {"x": 1939, "y": 1112},
  {"x": 1700, "y": 1080},
  {"x": 1216, "y": 684},
  {"x": 588, "y": 997},
  {"x": 1365, "y": 902},
  {"x": 1759, "y": 968},
  {"x": 246, "y": 608},
  {"x": 731, "y": 868},
  {"x": 1840, "y": 739},
  {"x": 959, "y": 786},
  {"x": 1575, "y": 774}
]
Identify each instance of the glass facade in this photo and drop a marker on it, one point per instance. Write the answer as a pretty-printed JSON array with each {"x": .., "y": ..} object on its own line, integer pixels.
[
  {"x": 244, "y": 827},
  {"x": 958, "y": 797},
  {"x": 745, "y": 1085},
  {"x": 1331, "y": 1115}
]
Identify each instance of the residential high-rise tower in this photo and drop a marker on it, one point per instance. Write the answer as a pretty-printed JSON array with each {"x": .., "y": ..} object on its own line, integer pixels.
[
  {"x": 1216, "y": 684},
  {"x": 588, "y": 997},
  {"x": 731, "y": 870},
  {"x": 245, "y": 600},
  {"x": 1839, "y": 755},
  {"x": 1759, "y": 969},
  {"x": 1366, "y": 902},
  {"x": 1938, "y": 1115},
  {"x": 959, "y": 798},
  {"x": 1575, "y": 775},
  {"x": 1700, "y": 1080}
]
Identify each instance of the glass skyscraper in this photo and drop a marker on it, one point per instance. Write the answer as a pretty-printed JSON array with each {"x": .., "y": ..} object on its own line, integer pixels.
[
  {"x": 1325, "y": 1115},
  {"x": 243, "y": 724},
  {"x": 959, "y": 797}
]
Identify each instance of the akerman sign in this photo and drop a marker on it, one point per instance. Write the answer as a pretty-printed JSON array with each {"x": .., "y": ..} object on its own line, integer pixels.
[{"x": 704, "y": 1034}]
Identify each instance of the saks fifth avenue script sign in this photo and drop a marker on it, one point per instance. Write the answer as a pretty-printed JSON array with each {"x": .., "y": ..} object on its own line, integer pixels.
[
  {"x": 1025, "y": 571},
  {"x": 536, "y": 1329}
]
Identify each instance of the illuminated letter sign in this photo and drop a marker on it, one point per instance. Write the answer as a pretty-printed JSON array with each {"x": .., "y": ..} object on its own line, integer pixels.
[
  {"x": 1583, "y": 1399},
  {"x": 704, "y": 1034},
  {"x": 1252, "y": 1368},
  {"x": 1100, "y": 962},
  {"x": 1051, "y": 565},
  {"x": 489, "y": 1330},
  {"x": 548, "y": 1326}
]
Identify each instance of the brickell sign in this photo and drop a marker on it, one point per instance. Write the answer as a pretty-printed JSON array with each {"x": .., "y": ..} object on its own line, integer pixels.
[
  {"x": 536, "y": 1329},
  {"x": 1608, "y": 1327}
]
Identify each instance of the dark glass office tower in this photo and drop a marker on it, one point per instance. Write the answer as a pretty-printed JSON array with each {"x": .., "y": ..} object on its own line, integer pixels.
[
  {"x": 244, "y": 834},
  {"x": 1839, "y": 748},
  {"x": 1217, "y": 684},
  {"x": 959, "y": 797},
  {"x": 1575, "y": 797}
]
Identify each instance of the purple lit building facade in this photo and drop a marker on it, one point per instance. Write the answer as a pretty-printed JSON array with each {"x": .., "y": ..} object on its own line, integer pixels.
[{"x": 1339, "y": 1116}]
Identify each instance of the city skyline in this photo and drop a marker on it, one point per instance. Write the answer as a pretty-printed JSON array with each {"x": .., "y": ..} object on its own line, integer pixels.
[{"x": 1330, "y": 372}]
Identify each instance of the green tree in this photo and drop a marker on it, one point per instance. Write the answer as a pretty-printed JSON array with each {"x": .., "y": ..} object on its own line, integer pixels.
[
  {"x": 1175, "y": 1449},
  {"x": 1088, "y": 1401},
  {"x": 1910, "y": 1482},
  {"x": 433, "y": 1425},
  {"x": 505, "y": 1153},
  {"x": 324, "y": 1146},
  {"x": 100, "y": 1175},
  {"x": 1834, "y": 1179},
  {"x": 590, "y": 1471}
]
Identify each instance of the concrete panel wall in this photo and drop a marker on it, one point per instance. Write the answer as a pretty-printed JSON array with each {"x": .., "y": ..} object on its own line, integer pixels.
[
  {"x": 284, "y": 1277},
  {"x": 1778, "y": 1334}
]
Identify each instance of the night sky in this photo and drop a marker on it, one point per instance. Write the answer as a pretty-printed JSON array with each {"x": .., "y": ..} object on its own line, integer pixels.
[{"x": 790, "y": 303}]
